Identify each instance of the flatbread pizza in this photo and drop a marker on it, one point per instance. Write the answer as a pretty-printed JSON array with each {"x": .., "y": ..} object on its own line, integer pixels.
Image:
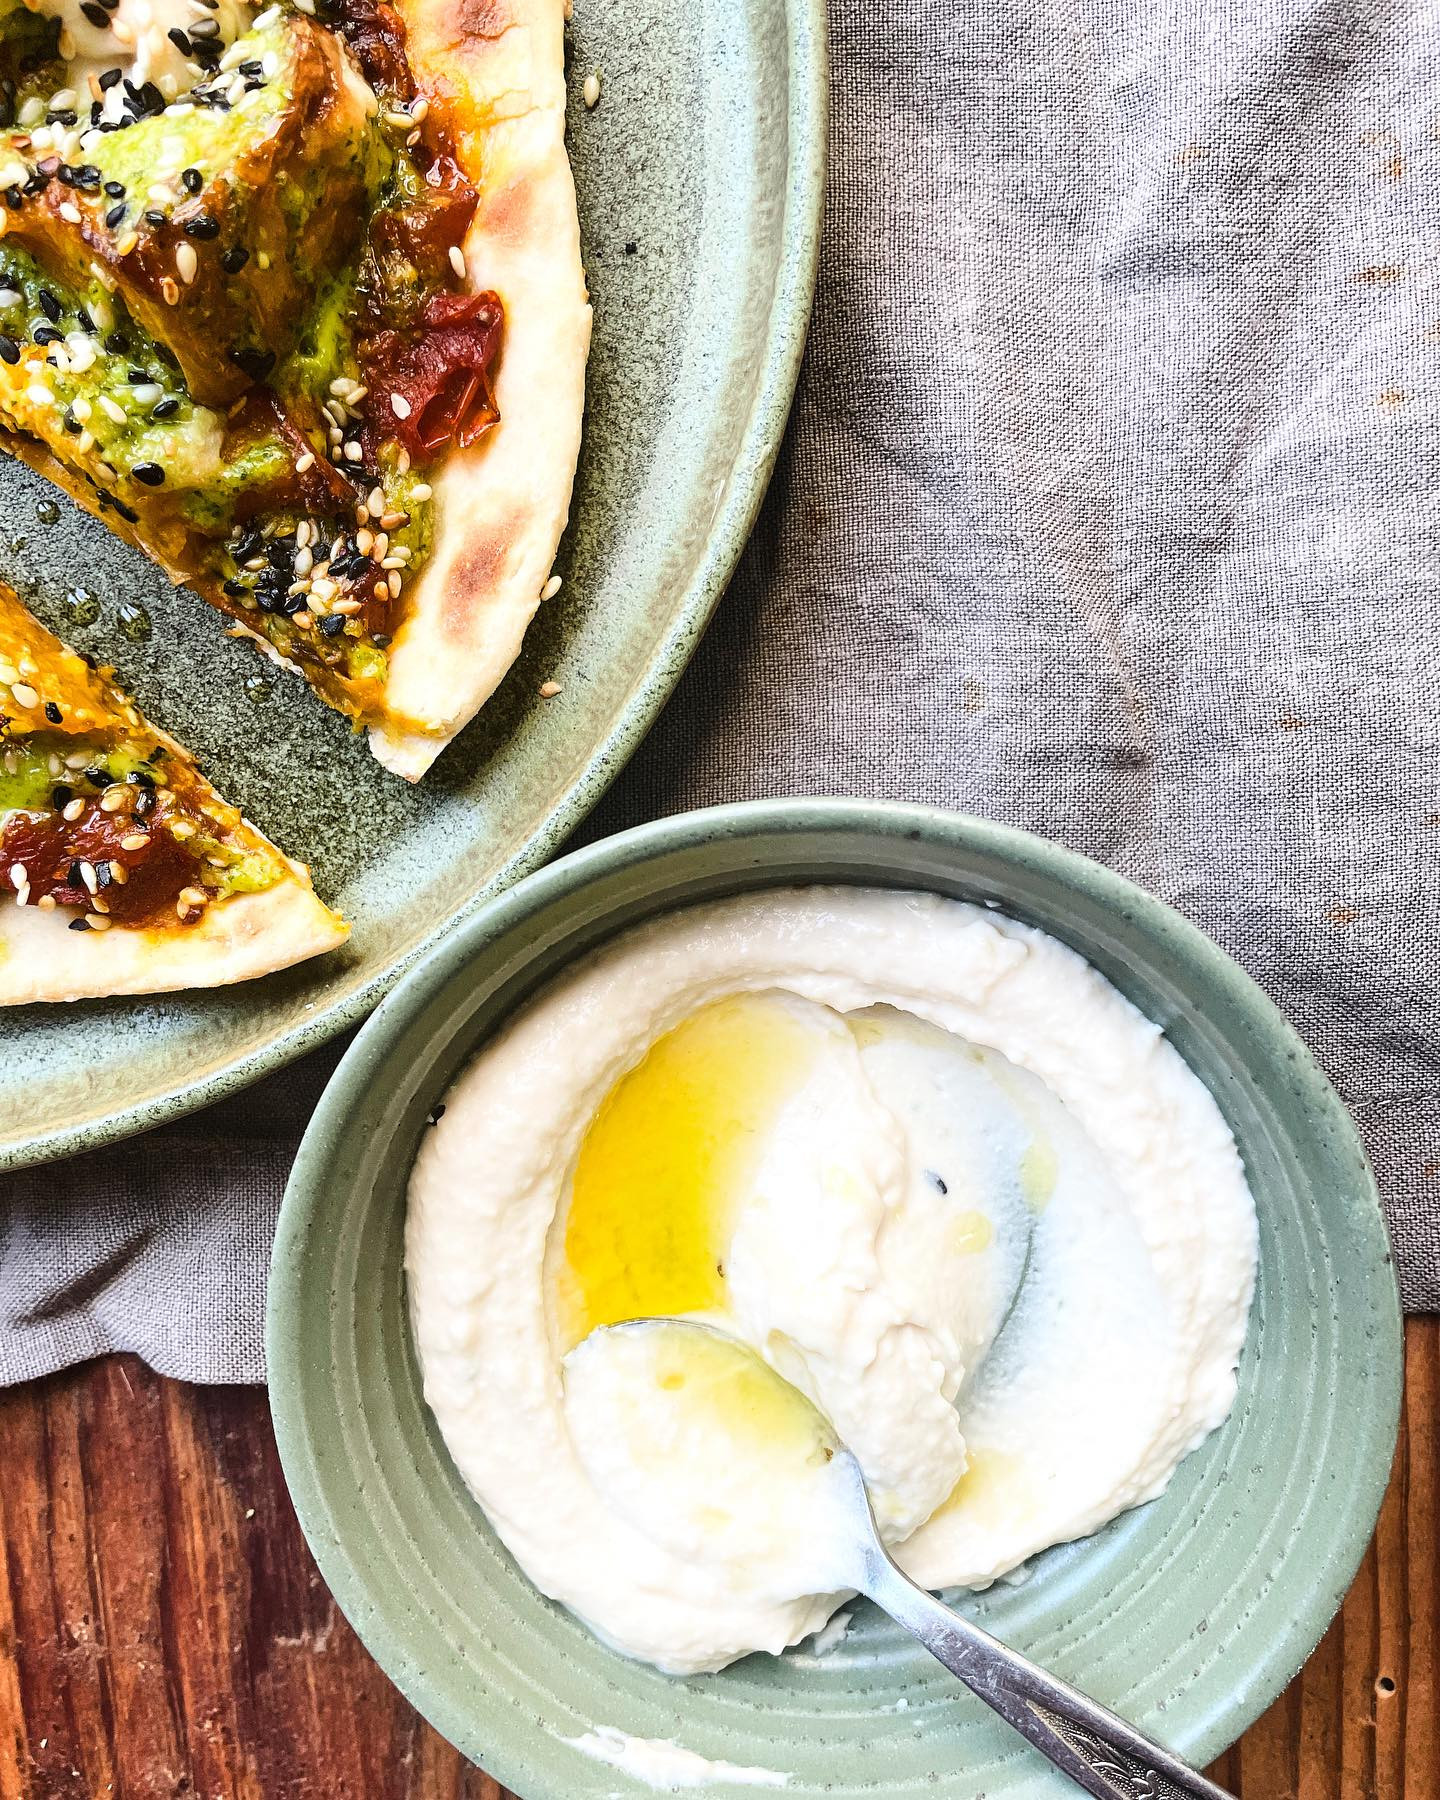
[
  {"x": 124, "y": 872},
  {"x": 291, "y": 298}
]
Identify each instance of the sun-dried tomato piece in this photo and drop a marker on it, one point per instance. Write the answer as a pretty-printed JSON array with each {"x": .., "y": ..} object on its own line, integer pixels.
[
  {"x": 442, "y": 380},
  {"x": 52, "y": 850}
]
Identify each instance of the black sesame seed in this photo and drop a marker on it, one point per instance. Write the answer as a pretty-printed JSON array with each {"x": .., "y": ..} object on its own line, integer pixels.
[
  {"x": 631, "y": 247},
  {"x": 233, "y": 261},
  {"x": 104, "y": 873},
  {"x": 87, "y": 177},
  {"x": 61, "y": 795},
  {"x": 140, "y": 778},
  {"x": 96, "y": 14},
  {"x": 205, "y": 28},
  {"x": 202, "y": 226},
  {"x": 136, "y": 376},
  {"x": 252, "y": 67},
  {"x": 178, "y": 38},
  {"x": 78, "y": 925},
  {"x": 53, "y": 713},
  {"x": 73, "y": 876},
  {"x": 166, "y": 408},
  {"x": 82, "y": 313},
  {"x": 380, "y": 640},
  {"x": 151, "y": 97},
  {"x": 144, "y": 803},
  {"x": 15, "y": 196},
  {"x": 108, "y": 80},
  {"x": 332, "y": 624},
  {"x": 9, "y": 349},
  {"x": 157, "y": 219},
  {"x": 115, "y": 189},
  {"x": 235, "y": 589},
  {"x": 150, "y": 473},
  {"x": 49, "y": 305},
  {"x": 117, "y": 343},
  {"x": 70, "y": 422},
  {"x": 191, "y": 180},
  {"x": 115, "y": 214},
  {"x": 46, "y": 334}
]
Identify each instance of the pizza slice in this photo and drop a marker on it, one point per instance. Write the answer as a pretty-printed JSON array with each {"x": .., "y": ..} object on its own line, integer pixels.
[
  {"x": 124, "y": 870},
  {"x": 291, "y": 298}
]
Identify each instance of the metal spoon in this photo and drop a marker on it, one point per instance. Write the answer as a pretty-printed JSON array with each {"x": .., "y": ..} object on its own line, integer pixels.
[{"x": 1096, "y": 1748}]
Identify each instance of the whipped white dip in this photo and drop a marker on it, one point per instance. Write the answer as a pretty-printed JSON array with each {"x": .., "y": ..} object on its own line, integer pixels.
[{"x": 923, "y": 1159}]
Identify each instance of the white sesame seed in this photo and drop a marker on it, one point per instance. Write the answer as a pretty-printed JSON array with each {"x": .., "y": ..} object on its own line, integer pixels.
[
  {"x": 353, "y": 452},
  {"x": 19, "y": 875},
  {"x": 549, "y": 689},
  {"x": 400, "y": 406},
  {"x": 305, "y": 462},
  {"x": 89, "y": 877},
  {"x": 551, "y": 588},
  {"x": 375, "y": 504},
  {"x": 421, "y": 491},
  {"x": 304, "y": 562},
  {"x": 112, "y": 409},
  {"x": 72, "y": 811},
  {"x": 591, "y": 90},
  {"x": 135, "y": 840},
  {"x": 25, "y": 695},
  {"x": 169, "y": 292},
  {"x": 395, "y": 584},
  {"x": 97, "y": 921},
  {"x": 187, "y": 263},
  {"x": 457, "y": 260}
]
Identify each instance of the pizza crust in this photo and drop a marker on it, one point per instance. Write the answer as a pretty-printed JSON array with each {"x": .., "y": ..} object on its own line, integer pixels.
[
  {"x": 236, "y": 939},
  {"x": 501, "y": 506}
]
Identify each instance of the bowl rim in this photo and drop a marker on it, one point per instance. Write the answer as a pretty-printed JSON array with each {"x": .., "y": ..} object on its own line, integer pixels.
[
  {"x": 735, "y": 514},
  {"x": 736, "y": 822}
]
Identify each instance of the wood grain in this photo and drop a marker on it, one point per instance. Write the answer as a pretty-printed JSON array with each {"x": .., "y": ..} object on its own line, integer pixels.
[{"x": 163, "y": 1631}]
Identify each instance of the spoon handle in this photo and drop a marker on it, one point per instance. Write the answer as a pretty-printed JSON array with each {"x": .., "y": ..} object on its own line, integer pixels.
[{"x": 1105, "y": 1754}]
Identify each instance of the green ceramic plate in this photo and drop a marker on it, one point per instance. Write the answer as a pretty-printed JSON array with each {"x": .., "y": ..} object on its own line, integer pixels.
[
  {"x": 1190, "y": 1614},
  {"x": 699, "y": 176}
]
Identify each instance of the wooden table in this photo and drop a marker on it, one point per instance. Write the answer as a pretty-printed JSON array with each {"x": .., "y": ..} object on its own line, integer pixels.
[{"x": 163, "y": 1630}]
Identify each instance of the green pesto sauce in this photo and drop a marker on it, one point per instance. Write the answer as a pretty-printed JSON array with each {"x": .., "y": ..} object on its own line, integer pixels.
[{"x": 324, "y": 348}]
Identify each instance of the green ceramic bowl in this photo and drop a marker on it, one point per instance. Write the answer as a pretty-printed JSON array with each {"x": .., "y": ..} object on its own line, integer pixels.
[{"x": 1189, "y": 1615}]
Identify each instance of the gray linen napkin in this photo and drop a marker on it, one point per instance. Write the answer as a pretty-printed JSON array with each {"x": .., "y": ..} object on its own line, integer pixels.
[{"x": 1107, "y": 509}]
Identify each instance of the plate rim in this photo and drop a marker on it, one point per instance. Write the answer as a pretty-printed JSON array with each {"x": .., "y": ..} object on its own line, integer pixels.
[
  {"x": 804, "y": 193},
  {"x": 1285, "y": 1656}
]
